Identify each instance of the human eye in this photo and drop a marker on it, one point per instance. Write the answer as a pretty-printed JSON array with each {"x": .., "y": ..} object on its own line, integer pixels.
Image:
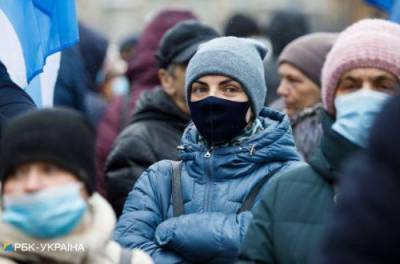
[
  {"x": 347, "y": 86},
  {"x": 230, "y": 89},
  {"x": 199, "y": 89},
  {"x": 50, "y": 169}
]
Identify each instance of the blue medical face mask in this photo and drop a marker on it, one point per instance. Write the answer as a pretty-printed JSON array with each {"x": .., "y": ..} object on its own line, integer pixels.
[
  {"x": 120, "y": 86},
  {"x": 53, "y": 212},
  {"x": 356, "y": 112},
  {"x": 219, "y": 120}
]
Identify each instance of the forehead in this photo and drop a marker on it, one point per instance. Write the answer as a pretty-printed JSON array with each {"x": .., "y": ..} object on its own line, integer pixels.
[
  {"x": 288, "y": 69},
  {"x": 367, "y": 73}
]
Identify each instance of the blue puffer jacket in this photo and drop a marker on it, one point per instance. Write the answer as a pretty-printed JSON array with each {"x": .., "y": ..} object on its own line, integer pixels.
[{"x": 213, "y": 188}]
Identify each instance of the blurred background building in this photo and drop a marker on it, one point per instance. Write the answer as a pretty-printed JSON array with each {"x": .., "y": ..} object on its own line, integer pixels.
[{"x": 120, "y": 18}]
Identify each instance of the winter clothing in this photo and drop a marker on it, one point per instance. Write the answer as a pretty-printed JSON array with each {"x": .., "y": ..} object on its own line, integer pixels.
[
  {"x": 288, "y": 222},
  {"x": 238, "y": 58},
  {"x": 307, "y": 130},
  {"x": 143, "y": 74},
  {"x": 365, "y": 224},
  {"x": 72, "y": 84},
  {"x": 241, "y": 25},
  {"x": 13, "y": 100},
  {"x": 91, "y": 246},
  {"x": 180, "y": 42},
  {"x": 93, "y": 48},
  {"x": 308, "y": 54},
  {"x": 284, "y": 27},
  {"x": 214, "y": 184},
  {"x": 153, "y": 135},
  {"x": 367, "y": 43},
  {"x": 59, "y": 136}
]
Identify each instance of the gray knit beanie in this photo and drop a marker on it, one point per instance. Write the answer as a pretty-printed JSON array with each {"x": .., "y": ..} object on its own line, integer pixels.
[
  {"x": 308, "y": 53},
  {"x": 237, "y": 58}
]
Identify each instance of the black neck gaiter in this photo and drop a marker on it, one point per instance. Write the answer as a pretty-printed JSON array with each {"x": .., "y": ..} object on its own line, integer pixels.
[{"x": 219, "y": 120}]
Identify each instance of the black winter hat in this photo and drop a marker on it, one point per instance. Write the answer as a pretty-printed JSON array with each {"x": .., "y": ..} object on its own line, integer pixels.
[
  {"x": 56, "y": 135},
  {"x": 180, "y": 43}
]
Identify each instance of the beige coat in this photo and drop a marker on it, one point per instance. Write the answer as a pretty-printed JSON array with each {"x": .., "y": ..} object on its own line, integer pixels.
[{"x": 91, "y": 245}]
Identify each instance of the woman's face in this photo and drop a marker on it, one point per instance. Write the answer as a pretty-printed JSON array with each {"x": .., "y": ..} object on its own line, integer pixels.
[
  {"x": 217, "y": 86},
  {"x": 367, "y": 78}
]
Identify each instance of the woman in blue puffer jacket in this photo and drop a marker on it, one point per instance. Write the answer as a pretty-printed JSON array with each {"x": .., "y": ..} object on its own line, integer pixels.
[{"x": 233, "y": 145}]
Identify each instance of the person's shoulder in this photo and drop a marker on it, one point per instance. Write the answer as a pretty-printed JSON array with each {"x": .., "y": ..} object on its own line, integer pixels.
[
  {"x": 158, "y": 172},
  {"x": 297, "y": 173}
]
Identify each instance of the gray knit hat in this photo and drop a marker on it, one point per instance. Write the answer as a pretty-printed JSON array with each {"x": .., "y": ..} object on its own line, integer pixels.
[{"x": 238, "y": 58}]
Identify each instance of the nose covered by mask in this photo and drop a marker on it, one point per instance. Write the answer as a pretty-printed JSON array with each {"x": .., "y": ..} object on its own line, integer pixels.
[
  {"x": 356, "y": 112},
  {"x": 219, "y": 120},
  {"x": 53, "y": 212}
]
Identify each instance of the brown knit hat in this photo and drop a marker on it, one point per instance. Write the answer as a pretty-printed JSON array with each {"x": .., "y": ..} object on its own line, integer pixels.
[{"x": 308, "y": 53}]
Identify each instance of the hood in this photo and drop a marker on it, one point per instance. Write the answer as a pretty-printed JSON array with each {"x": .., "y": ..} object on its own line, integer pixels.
[
  {"x": 143, "y": 69},
  {"x": 158, "y": 106},
  {"x": 334, "y": 150},
  {"x": 95, "y": 239},
  {"x": 13, "y": 100},
  {"x": 274, "y": 144}
]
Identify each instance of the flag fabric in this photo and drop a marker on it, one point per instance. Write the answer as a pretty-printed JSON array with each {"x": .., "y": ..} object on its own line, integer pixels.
[
  {"x": 395, "y": 12},
  {"x": 32, "y": 34},
  {"x": 385, "y": 5}
]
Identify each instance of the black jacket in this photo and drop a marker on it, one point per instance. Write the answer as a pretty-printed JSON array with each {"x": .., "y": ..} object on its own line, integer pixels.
[
  {"x": 153, "y": 135},
  {"x": 13, "y": 99}
]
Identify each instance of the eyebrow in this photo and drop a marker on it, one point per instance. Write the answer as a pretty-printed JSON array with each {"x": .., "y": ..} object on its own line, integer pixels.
[
  {"x": 222, "y": 82},
  {"x": 350, "y": 78},
  {"x": 382, "y": 78}
]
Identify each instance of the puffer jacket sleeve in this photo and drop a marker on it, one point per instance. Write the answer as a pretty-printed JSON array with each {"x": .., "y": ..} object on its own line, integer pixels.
[
  {"x": 125, "y": 164},
  {"x": 142, "y": 215},
  {"x": 204, "y": 237},
  {"x": 257, "y": 245}
]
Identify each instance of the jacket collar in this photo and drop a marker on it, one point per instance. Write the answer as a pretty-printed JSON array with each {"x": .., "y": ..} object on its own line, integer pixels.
[{"x": 334, "y": 150}]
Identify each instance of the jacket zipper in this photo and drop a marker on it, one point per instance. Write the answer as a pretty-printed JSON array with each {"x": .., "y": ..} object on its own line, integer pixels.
[{"x": 208, "y": 157}]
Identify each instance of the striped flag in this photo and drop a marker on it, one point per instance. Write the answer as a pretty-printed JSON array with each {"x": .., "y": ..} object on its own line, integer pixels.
[{"x": 32, "y": 33}]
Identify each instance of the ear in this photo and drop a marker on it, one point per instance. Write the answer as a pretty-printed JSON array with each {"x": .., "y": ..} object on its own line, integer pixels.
[{"x": 166, "y": 81}]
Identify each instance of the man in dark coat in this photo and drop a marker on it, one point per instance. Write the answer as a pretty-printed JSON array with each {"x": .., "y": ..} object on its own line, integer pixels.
[
  {"x": 365, "y": 224},
  {"x": 161, "y": 114},
  {"x": 143, "y": 75}
]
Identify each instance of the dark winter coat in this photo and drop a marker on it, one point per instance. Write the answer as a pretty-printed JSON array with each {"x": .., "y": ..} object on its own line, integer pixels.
[
  {"x": 289, "y": 220},
  {"x": 13, "y": 100},
  {"x": 71, "y": 84},
  {"x": 143, "y": 75},
  {"x": 213, "y": 189},
  {"x": 365, "y": 224},
  {"x": 153, "y": 135}
]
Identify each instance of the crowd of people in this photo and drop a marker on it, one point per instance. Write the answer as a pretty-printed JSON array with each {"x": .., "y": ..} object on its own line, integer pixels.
[{"x": 192, "y": 161}]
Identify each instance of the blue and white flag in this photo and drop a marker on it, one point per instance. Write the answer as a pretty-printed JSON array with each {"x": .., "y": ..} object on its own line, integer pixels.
[{"x": 32, "y": 33}]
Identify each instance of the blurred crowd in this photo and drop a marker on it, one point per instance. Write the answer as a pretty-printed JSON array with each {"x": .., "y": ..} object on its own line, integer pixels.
[{"x": 183, "y": 144}]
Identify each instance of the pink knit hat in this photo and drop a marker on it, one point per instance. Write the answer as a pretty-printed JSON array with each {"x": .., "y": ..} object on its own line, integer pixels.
[{"x": 371, "y": 43}]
